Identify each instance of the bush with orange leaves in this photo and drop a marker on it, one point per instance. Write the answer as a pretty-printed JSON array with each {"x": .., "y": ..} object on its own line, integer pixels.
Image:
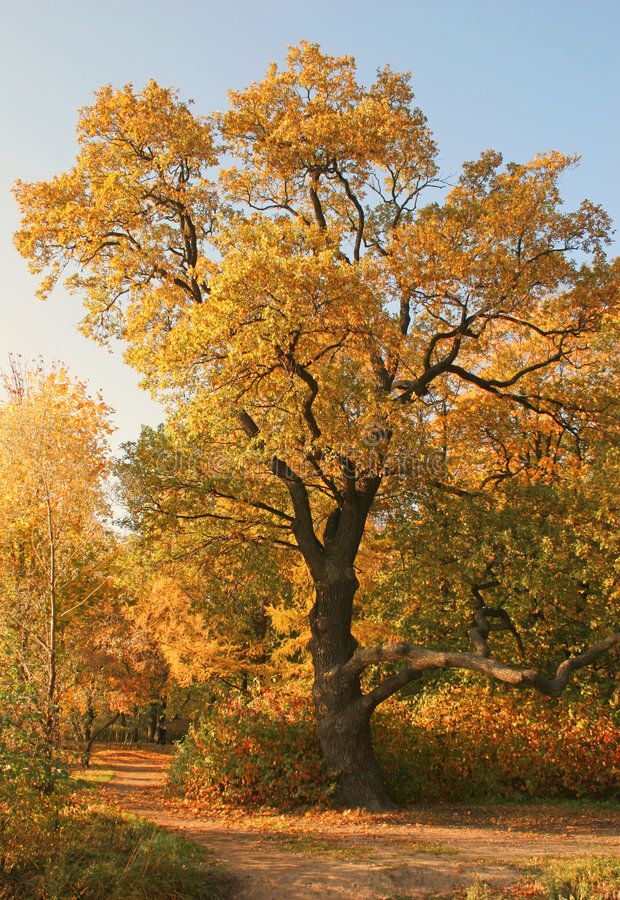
[
  {"x": 261, "y": 752},
  {"x": 470, "y": 741},
  {"x": 462, "y": 741}
]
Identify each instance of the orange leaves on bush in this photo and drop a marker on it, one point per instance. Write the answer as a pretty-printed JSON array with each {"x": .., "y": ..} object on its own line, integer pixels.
[
  {"x": 462, "y": 743},
  {"x": 264, "y": 752}
]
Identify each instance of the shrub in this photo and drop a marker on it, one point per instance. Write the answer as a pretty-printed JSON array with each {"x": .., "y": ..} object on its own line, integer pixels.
[
  {"x": 27, "y": 763},
  {"x": 264, "y": 752},
  {"x": 466, "y": 741},
  {"x": 460, "y": 741}
]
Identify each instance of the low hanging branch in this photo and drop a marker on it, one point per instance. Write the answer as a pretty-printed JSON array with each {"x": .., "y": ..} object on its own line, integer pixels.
[{"x": 420, "y": 659}]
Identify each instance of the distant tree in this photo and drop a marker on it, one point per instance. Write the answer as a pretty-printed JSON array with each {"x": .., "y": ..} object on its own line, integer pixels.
[
  {"x": 53, "y": 546},
  {"x": 204, "y": 595},
  {"x": 312, "y": 319},
  {"x": 113, "y": 668}
]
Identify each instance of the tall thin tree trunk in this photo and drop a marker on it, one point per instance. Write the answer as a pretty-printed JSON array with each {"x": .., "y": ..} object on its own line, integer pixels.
[
  {"x": 50, "y": 723},
  {"x": 88, "y": 735}
]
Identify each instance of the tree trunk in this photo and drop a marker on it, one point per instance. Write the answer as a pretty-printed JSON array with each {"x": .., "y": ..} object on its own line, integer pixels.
[
  {"x": 343, "y": 720},
  {"x": 51, "y": 717},
  {"x": 88, "y": 736},
  {"x": 151, "y": 730}
]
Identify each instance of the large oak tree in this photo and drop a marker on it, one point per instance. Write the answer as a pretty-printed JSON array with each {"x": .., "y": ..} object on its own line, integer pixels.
[{"x": 287, "y": 277}]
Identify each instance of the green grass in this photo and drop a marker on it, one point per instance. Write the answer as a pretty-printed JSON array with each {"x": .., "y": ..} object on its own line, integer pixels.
[
  {"x": 310, "y": 845},
  {"x": 584, "y": 804},
  {"x": 96, "y": 853},
  {"x": 414, "y": 845},
  {"x": 580, "y": 878},
  {"x": 577, "y": 878},
  {"x": 87, "y": 778}
]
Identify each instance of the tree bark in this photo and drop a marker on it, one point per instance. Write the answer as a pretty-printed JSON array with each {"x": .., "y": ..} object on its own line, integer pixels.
[
  {"x": 342, "y": 717},
  {"x": 50, "y": 721},
  {"x": 151, "y": 729},
  {"x": 91, "y": 734},
  {"x": 88, "y": 736}
]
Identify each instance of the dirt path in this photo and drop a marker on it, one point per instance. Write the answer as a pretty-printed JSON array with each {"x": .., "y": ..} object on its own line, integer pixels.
[{"x": 429, "y": 852}]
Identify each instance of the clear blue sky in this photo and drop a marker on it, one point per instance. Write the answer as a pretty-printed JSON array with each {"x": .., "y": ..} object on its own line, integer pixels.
[{"x": 516, "y": 76}]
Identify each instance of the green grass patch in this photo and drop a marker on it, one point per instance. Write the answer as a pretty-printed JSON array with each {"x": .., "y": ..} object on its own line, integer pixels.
[
  {"x": 580, "y": 878},
  {"x": 479, "y": 890},
  {"x": 577, "y": 878},
  {"x": 414, "y": 845},
  {"x": 96, "y": 853},
  {"x": 310, "y": 845},
  {"x": 571, "y": 804},
  {"x": 87, "y": 778}
]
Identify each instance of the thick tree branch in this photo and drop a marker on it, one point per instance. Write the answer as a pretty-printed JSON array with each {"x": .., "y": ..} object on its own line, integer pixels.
[
  {"x": 316, "y": 205},
  {"x": 384, "y": 377},
  {"x": 404, "y": 315},
  {"x": 390, "y": 686},
  {"x": 360, "y": 213},
  {"x": 105, "y": 725},
  {"x": 347, "y": 529},
  {"x": 488, "y": 619},
  {"x": 489, "y": 383},
  {"x": 421, "y": 659},
  {"x": 302, "y": 525},
  {"x": 291, "y": 365}
]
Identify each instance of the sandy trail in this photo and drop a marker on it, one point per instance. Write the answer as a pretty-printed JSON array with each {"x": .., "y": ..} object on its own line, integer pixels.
[{"x": 424, "y": 853}]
